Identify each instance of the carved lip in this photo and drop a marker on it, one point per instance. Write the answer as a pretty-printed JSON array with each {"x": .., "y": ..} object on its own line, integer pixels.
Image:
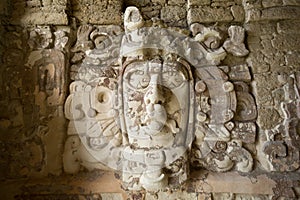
[{"x": 156, "y": 119}]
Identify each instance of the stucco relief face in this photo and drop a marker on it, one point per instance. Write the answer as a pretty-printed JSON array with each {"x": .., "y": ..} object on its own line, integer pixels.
[
  {"x": 156, "y": 99},
  {"x": 169, "y": 104}
]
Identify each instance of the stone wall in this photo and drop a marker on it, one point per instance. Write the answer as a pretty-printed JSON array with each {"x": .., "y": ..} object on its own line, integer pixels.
[{"x": 42, "y": 44}]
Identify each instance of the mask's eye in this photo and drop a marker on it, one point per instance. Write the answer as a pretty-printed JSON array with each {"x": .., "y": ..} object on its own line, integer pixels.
[
  {"x": 138, "y": 79},
  {"x": 173, "y": 76}
]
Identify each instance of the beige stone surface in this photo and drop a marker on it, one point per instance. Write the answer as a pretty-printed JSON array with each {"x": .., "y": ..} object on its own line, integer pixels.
[
  {"x": 276, "y": 13},
  {"x": 39, "y": 12},
  {"x": 172, "y": 195},
  {"x": 208, "y": 14},
  {"x": 108, "y": 187},
  {"x": 174, "y": 15},
  {"x": 177, "y": 2},
  {"x": 238, "y": 13},
  {"x": 291, "y": 3},
  {"x": 98, "y": 12},
  {"x": 288, "y": 27},
  {"x": 198, "y": 2},
  {"x": 93, "y": 184},
  {"x": 111, "y": 196},
  {"x": 230, "y": 181},
  {"x": 33, "y": 87}
]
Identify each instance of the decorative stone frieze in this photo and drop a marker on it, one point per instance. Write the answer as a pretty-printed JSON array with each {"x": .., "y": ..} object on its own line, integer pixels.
[
  {"x": 190, "y": 99},
  {"x": 281, "y": 147},
  {"x": 150, "y": 100}
]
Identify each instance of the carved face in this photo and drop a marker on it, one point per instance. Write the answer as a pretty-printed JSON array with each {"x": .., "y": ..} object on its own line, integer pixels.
[{"x": 156, "y": 103}]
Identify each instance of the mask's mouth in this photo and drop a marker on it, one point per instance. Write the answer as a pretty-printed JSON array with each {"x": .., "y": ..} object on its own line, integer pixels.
[{"x": 155, "y": 119}]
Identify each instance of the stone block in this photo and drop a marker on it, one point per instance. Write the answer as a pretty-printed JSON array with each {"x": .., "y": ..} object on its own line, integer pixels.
[
  {"x": 238, "y": 2},
  {"x": 238, "y": 13},
  {"x": 111, "y": 196},
  {"x": 231, "y": 182},
  {"x": 204, "y": 196},
  {"x": 50, "y": 15},
  {"x": 288, "y": 26},
  {"x": 176, "y": 2},
  {"x": 292, "y": 58},
  {"x": 266, "y": 43},
  {"x": 267, "y": 118},
  {"x": 280, "y": 13},
  {"x": 104, "y": 12},
  {"x": 253, "y": 14},
  {"x": 280, "y": 68},
  {"x": 275, "y": 59},
  {"x": 291, "y": 2},
  {"x": 288, "y": 42},
  {"x": 253, "y": 43},
  {"x": 221, "y": 196},
  {"x": 222, "y": 4},
  {"x": 161, "y": 2},
  {"x": 151, "y": 11},
  {"x": 263, "y": 97},
  {"x": 199, "y": 2},
  {"x": 267, "y": 80},
  {"x": 39, "y": 12},
  {"x": 174, "y": 15},
  {"x": 260, "y": 28},
  {"x": 208, "y": 15},
  {"x": 138, "y": 3},
  {"x": 271, "y": 3},
  {"x": 173, "y": 195},
  {"x": 256, "y": 62}
]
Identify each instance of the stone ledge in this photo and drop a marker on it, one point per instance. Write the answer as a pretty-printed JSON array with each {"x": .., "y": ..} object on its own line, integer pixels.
[
  {"x": 84, "y": 183},
  {"x": 231, "y": 182},
  {"x": 92, "y": 183}
]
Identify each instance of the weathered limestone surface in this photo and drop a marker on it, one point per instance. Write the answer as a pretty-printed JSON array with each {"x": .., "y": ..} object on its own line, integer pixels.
[
  {"x": 207, "y": 14},
  {"x": 254, "y": 46},
  {"x": 87, "y": 186},
  {"x": 273, "y": 45},
  {"x": 97, "y": 12},
  {"x": 38, "y": 12},
  {"x": 174, "y": 15},
  {"x": 210, "y": 11}
]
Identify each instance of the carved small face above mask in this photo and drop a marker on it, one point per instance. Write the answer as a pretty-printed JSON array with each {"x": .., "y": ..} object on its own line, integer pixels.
[{"x": 156, "y": 102}]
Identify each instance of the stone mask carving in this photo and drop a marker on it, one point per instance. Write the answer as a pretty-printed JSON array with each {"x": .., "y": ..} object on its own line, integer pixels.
[
  {"x": 156, "y": 95},
  {"x": 133, "y": 102},
  {"x": 156, "y": 102}
]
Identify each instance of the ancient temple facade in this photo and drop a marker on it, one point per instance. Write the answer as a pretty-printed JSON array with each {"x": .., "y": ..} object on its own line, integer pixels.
[{"x": 150, "y": 99}]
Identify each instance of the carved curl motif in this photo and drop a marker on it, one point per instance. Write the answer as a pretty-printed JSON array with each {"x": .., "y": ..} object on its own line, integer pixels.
[
  {"x": 281, "y": 147},
  {"x": 145, "y": 101}
]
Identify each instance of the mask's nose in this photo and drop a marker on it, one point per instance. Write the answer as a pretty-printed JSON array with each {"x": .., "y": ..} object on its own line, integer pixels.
[{"x": 154, "y": 94}]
